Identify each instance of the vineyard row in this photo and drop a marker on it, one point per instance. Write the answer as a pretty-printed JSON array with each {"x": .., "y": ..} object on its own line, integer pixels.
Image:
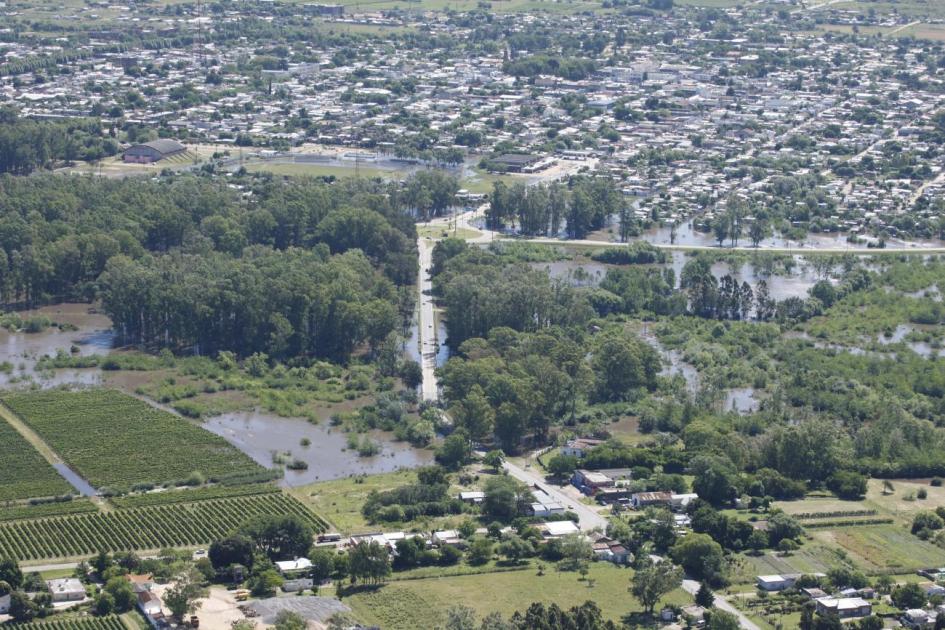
[{"x": 178, "y": 525}]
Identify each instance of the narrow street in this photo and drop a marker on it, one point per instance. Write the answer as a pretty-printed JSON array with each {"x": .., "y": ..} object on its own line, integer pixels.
[
  {"x": 692, "y": 587},
  {"x": 588, "y": 517}
]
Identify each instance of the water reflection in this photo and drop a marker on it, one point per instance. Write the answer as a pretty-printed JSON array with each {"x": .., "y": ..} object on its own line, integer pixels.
[{"x": 261, "y": 435}]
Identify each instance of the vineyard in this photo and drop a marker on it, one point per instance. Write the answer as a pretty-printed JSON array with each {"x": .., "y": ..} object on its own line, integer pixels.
[
  {"x": 116, "y": 441},
  {"x": 141, "y": 528},
  {"x": 24, "y": 473},
  {"x": 18, "y": 512},
  {"x": 111, "y": 622},
  {"x": 189, "y": 495}
]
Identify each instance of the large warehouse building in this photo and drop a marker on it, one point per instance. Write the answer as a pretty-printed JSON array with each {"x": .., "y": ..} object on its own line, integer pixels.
[{"x": 153, "y": 151}]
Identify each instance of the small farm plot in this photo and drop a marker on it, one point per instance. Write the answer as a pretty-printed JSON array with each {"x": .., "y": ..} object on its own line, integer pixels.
[
  {"x": 116, "y": 441},
  {"x": 24, "y": 474},
  {"x": 887, "y": 548},
  {"x": 144, "y": 528},
  {"x": 109, "y": 622}
]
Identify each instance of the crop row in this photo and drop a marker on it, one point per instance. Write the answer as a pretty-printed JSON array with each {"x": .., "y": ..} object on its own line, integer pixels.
[
  {"x": 117, "y": 441},
  {"x": 177, "y": 525},
  {"x": 24, "y": 474},
  {"x": 189, "y": 495},
  {"x": 110, "y": 622},
  {"x": 19, "y": 512}
]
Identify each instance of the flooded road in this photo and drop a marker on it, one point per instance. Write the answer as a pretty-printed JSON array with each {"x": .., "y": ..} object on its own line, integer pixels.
[{"x": 261, "y": 436}]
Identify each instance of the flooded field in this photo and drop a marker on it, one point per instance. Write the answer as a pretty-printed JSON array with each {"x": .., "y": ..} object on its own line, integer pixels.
[
  {"x": 261, "y": 436},
  {"x": 686, "y": 235},
  {"x": 92, "y": 335}
]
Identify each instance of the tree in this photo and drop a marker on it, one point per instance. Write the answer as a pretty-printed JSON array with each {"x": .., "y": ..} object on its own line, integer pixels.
[
  {"x": 279, "y": 536},
  {"x": 700, "y": 556},
  {"x": 290, "y": 620},
  {"x": 182, "y": 597},
  {"x": 847, "y": 484},
  {"x": 876, "y": 623},
  {"x": 104, "y": 604},
  {"x": 460, "y": 618},
  {"x": 494, "y": 621},
  {"x": 515, "y": 548},
  {"x": 10, "y": 573},
  {"x": 123, "y": 595},
  {"x": 323, "y": 564},
  {"x": 576, "y": 550},
  {"x": 704, "y": 596},
  {"x": 22, "y": 608},
  {"x": 480, "y": 551},
  {"x": 265, "y": 583},
  {"x": 908, "y": 596},
  {"x": 494, "y": 459},
  {"x": 654, "y": 580},
  {"x": 505, "y": 498},
  {"x": 561, "y": 466},
  {"x": 782, "y": 526},
  {"x": 369, "y": 562},
  {"x": 716, "y": 619},
  {"x": 454, "y": 452},
  {"x": 232, "y": 550}
]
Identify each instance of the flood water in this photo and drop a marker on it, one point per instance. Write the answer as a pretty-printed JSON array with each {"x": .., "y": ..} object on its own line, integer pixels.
[
  {"x": 262, "y": 435},
  {"x": 94, "y": 335},
  {"x": 686, "y": 235},
  {"x": 82, "y": 486}
]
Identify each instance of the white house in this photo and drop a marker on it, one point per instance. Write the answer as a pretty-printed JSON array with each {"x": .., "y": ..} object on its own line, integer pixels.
[
  {"x": 66, "y": 590},
  {"x": 290, "y": 566},
  {"x": 150, "y": 606},
  {"x": 557, "y": 529},
  {"x": 774, "y": 582}
]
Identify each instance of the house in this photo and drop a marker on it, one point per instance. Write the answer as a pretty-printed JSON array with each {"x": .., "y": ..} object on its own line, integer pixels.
[
  {"x": 66, "y": 590},
  {"x": 154, "y": 151},
  {"x": 580, "y": 447},
  {"x": 472, "y": 496},
  {"x": 150, "y": 606},
  {"x": 914, "y": 618},
  {"x": 774, "y": 582},
  {"x": 643, "y": 499},
  {"x": 448, "y": 537},
  {"x": 682, "y": 501},
  {"x": 140, "y": 583},
  {"x": 297, "y": 585},
  {"x": 292, "y": 566},
  {"x": 514, "y": 162},
  {"x": 844, "y": 607},
  {"x": 588, "y": 481},
  {"x": 557, "y": 529},
  {"x": 695, "y": 614},
  {"x": 542, "y": 509}
]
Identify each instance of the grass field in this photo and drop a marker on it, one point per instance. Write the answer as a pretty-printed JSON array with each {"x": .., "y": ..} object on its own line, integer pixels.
[
  {"x": 145, "y": 528},
  {"x": 322, "y": 170},
  {"x": 407, "y": 605},
  {"x": 886, "y": 547},
  {"x": 24, "y": 473},
  {"x": 339, "y": 501},
  {"x": 883, "y": 547},
  {"x": 428, "y": 231},
  {"x": 115, "y": 440}
]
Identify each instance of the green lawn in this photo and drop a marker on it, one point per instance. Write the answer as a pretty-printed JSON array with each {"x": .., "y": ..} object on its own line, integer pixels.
[
  {"x": 408, "y": 605},
  {"x": 320, "y": 170},
  {"x": 339, "y": 502}
]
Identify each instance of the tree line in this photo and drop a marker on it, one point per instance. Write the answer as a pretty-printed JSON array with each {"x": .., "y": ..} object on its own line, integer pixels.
[{"x": 27, "y": 145}]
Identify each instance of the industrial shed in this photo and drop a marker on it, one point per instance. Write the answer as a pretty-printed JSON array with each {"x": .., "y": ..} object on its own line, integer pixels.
[{"x": 153, "y": 151}]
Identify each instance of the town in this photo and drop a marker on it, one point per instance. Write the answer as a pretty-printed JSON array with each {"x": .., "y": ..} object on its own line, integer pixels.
[{"x": 472, "y": 314}]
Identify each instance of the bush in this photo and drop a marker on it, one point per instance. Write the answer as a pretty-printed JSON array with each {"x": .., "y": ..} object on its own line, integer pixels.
[{"x": 847, "y": 484}]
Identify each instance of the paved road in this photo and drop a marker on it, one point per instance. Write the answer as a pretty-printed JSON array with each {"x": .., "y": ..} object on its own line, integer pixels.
[
  {"x": 692, "y": 587},
  {"x": 429, "y": 389},
  {"x": 588, "y": 517}
]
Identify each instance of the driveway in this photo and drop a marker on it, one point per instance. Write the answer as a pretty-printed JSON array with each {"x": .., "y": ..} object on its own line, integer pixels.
[{"x": 692, "y": 587}]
